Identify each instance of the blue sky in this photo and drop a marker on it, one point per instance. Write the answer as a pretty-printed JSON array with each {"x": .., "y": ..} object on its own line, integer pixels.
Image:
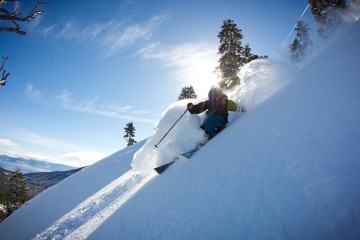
[{"x": 84, "y": 70}]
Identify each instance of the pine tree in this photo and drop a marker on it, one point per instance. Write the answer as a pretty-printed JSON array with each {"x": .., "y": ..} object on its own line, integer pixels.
[
  {"x": 324, "y": 13},
  {"x": 231, "y": 52},
  {"x": 247, "y": 53},
  {"x": 130, "y": 134},
  {"x": 248, "y": 56},
  {"x": 17, "y": 192},
  {"x": 301, "y": 43},
  {"x": 187, "y": 92}
]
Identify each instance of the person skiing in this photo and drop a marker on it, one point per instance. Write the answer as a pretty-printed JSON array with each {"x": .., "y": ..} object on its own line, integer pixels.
[{"x": 217, "y": 107}]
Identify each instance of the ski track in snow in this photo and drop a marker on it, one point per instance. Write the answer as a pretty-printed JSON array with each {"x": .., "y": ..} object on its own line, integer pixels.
[
  {"x": 87, "y": 216},
  {"x": 89, "y": 227}
]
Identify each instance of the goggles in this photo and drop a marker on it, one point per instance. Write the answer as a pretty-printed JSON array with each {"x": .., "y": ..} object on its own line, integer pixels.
[{"x": 214, "y": 100}]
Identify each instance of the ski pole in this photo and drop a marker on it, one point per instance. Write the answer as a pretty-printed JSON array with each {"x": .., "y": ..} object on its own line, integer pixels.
[{"x": 156, "y": 145}]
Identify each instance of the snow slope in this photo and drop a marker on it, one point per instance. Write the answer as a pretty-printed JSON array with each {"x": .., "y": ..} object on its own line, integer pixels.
[{"x": 287, "y": 169}]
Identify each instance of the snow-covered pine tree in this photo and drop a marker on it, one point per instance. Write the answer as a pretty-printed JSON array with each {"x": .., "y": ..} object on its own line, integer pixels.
[
  {"x": 301, "y": 43},
  {"x": 130, "y": 134},
  {"x": 325, "y": 15},
  {"x": 231, "y": 52},
  {"x": 187, "y": 92}
]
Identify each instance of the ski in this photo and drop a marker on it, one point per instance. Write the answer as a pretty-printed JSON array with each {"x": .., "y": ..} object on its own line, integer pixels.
[
  {"x": 191, "y": 152},
  {"x": 162, "y": 168},
  {"x": 187, "y": 155}
]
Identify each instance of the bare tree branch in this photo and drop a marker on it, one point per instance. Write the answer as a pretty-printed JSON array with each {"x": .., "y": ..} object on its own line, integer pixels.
[
  {"x": 12, "y": 20},
  {"x": 14, "y": 17},
  {"x": 3, "y": 72},
  {"x": 11, "y": 29}
]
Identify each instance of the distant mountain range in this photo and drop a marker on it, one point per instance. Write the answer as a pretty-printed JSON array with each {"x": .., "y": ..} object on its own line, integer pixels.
[
  {"x": 36, "y": 182},
  {"x": 31, "y": 165},
  {"x": 39, "y": 181}
]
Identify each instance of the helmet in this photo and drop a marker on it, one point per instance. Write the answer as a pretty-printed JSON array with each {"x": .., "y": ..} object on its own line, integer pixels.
[{"x": 215, "y": 92}]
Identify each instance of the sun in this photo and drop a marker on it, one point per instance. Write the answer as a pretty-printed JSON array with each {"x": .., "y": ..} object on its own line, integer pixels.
[{"x": 200, "y": 73}]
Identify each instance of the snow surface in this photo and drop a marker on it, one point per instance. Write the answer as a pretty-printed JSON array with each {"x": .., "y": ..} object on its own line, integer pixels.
[{"x": 288, "y": 168}]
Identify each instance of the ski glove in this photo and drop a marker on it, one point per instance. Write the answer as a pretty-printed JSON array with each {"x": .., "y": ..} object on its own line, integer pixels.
[{"x": 190, "y": 105}]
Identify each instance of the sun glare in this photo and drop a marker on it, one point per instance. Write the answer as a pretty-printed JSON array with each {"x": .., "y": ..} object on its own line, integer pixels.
[{"x": 199, "y": 72}]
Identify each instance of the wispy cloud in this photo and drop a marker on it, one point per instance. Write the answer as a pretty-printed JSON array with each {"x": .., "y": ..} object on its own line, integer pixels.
[
  {"x": 68, "y": 31},
  {"x": 92, "y": 106},
  {"x": 75, "y": 155},
  {"x": 94, "y": 31},
  {"x": 48, "y": 30},
  {"x": 8, "y": 143},
  {"x": 113, "y": 35},
  {"x": 74, "y": 159},
  {"x": 44, "y": 141},
  {"x": 29, "y": 156},
  {"x": 132, "y": 34},
  {"x": 33, "y": 93}
]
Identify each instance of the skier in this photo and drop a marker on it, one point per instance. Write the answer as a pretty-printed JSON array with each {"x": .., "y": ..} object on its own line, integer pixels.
[{"x": 217, "y": 107}]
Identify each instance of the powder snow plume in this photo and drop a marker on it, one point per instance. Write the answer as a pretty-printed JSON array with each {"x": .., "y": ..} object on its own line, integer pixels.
[
  {"x": 185, "y": 135},
  {"x": 260, "y": 80}
]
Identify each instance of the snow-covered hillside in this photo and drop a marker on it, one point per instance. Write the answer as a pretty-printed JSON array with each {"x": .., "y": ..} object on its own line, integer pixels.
[{"x": 289, "y": 168}]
